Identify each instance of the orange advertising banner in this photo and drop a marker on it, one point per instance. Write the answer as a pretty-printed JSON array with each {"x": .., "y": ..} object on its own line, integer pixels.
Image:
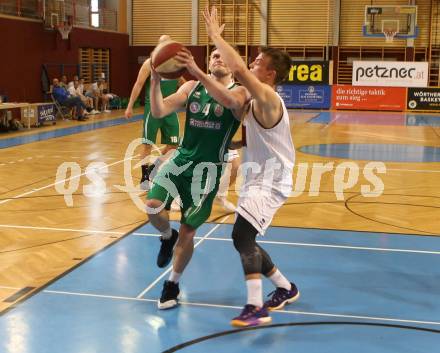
[{"x": 368, "y": 98}]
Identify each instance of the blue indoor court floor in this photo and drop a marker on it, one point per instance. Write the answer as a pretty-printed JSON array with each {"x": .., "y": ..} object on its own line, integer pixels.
[{"x": 363, "y": 292}]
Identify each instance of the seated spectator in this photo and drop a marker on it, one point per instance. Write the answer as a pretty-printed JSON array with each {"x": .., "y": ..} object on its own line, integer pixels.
[
  {"x": 62, "y": 96},
  {"x": 106, "y": 98},
  {"x": 63, "y": 82},
  {"x": 75, "y": 78},
  {"x": 78, "y": 90},
  {"x": 98, "y": 91},
  {"x": 71, "y": 88},
  {"x": 95, "y": 93}
]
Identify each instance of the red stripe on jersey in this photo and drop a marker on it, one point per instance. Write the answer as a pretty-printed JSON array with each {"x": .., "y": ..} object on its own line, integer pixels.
[{"x": 243, "y": 135}]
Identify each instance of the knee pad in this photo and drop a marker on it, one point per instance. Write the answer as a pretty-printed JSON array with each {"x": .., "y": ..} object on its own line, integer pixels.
[
  {"x": 243, "y": 238},
  {"x": 243, "y": 235},
  {"x": 239, "y": 243},
  {"x": 243, "y": 242}
]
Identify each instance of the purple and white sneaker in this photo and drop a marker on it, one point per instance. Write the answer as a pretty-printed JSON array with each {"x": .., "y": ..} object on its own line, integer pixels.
[
  {"x": 281, "y": 297},
  {"x": 252, "y": 316}
]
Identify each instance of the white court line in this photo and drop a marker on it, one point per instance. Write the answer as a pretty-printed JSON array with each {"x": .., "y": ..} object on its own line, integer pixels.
[
  {"x": 61, "y": 181},
  {"x": 62, "y": 229},
  {"x": 373, "y": 169},
  {"x": 410, "y": 170},
  {"x": 97, "y": 295},
  {"x": 326, "y": 126},
  {"x": 371, "y": 318},
  {"x": 153, "y": 235},
  {"x": 71, "y": 178},
  {"x": 316, "y": 245},
  {"x": 6, "y": 287},
  {"x": 360, "y": 317},
  {"x": 230, "y": 240},
  {"x": 170, "y": 268}
]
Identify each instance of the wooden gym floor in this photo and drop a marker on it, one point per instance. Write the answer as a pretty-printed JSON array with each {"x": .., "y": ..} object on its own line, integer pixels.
[{"x": 44, "y": 233}]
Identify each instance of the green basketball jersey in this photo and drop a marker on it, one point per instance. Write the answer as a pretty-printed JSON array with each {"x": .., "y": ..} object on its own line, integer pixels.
[
  {"x": 209, "y": 128},
  {"x": 167, "y": 87}
]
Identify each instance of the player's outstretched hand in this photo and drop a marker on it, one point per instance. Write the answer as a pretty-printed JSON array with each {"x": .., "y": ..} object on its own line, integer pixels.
[
  {"x": 128, "y": 113},
  {"x": 212, "y": 25},
  {"x": 185, "y": 58}
]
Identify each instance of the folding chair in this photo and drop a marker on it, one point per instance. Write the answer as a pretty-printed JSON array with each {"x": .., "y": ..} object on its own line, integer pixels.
[{"x": 64, "y": 112}]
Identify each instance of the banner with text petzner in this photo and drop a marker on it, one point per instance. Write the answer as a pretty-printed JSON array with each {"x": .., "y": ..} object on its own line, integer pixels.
[{"x": 390, "y": 73}]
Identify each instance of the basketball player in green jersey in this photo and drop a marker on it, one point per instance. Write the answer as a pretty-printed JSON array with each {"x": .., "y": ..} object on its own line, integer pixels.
[
  {"x": 168, "y": 126},
  {"x": 195, "y": 169}
]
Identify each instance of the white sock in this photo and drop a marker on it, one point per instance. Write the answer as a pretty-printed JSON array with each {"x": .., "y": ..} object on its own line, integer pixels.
[
  {"x": 167, "y": 233},
  {"x": 255, "y": 292},
  {"x": 174, "y": 277},
  {"x": 279, "y": 280}
]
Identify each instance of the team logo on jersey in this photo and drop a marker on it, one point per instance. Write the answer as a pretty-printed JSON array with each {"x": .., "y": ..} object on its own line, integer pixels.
[
  {"x": 205, "y": 124},
  {"x": 218, "y": 110},
  {"x": 194, "y": 107}
]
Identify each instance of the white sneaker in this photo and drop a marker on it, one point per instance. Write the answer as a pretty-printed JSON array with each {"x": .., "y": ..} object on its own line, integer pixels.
[
  {"x": 94, "y": 112},
  {"x": 107, "y": 111},
  {"x": 223, "y": 201}
]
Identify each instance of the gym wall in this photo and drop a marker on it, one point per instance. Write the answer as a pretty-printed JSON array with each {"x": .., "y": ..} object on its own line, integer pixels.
[{"x": 26, "y": 46}]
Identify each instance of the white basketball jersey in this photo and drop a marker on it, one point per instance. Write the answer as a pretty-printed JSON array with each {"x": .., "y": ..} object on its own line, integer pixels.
[{"x": 273, "y": 152}]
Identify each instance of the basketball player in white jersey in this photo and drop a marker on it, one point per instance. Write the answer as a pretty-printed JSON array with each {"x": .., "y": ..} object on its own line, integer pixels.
[{"x": 270, "y": 148}]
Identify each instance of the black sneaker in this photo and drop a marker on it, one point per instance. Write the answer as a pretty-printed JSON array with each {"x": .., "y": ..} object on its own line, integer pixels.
[
  {"x": 281, "y": 297},
  {"x": 166, "y": 249},
  {"x": 146, "y": 171},
  {"x": 146, "y": 177},
  {"x": 168, "y": 299}
]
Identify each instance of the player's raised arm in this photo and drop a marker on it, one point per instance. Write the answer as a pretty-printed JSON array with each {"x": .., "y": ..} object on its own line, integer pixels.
[
  {"x": 259, "y": 90},
  {"x": 161, "y": 107},
  {"x": 143, "y": 74},
  {"x": 269, "y": 68}
]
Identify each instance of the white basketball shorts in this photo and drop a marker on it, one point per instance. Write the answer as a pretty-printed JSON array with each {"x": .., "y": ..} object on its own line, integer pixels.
[{"x": 260, "y": 208}]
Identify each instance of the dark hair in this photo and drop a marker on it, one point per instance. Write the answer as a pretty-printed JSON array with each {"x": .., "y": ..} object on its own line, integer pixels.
[
  {"x": 279, "y": 61},
  {"x": 232, "y": 45}
]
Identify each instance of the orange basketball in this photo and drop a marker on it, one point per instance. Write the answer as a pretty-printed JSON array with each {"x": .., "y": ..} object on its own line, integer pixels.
[{"x": 163, "y": 61}]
